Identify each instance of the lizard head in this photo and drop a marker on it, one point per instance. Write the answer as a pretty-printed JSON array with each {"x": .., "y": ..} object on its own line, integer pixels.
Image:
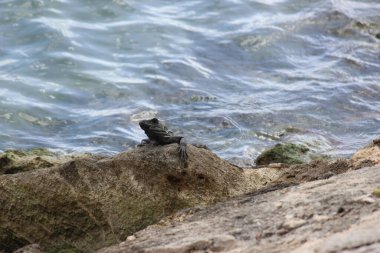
[{"x": 148, "y": 123}]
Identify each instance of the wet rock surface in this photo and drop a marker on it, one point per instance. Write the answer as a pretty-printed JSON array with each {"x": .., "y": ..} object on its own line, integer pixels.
[{"x": 287, "y": 153}]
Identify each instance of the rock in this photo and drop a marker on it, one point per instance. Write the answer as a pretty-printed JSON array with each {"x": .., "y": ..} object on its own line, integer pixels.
[
  {"x": 367, "y": 156},
  {"x": 218, "y": 243},
  {"x": 316, "y": 170},
  {"x": 321, "y": 218},
  {"x": 198, "y": 98},
  {"x": 326, "y": 175},
  {"x": 242, "y": 162},
  {"x": 277, "y": 205},
  {"x": 261, "y": 229},
  {"x": 88, "y": 203},
  {"x": 364, "y": 199},
  {"x": 131, "y": 238},
  {"x": 363, "y": 236},
  {"x": 293, "y": 223},
  {"x": 287, "y": 153},
  {"x": 123, "y": 244},
  {"x": 31, "y": 248},
  {"x": 277, "y": 165},
  {"x": 15, "y": 161}
]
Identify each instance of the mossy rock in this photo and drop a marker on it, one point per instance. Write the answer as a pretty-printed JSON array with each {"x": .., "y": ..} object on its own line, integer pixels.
[
  {"x": 376, "y": 192},
  {"x": 287, "y": 153},
  {"x": 16, "y": 161},
  {"x": 65, "y": 249},
  {"x": 89, "y": 203}
]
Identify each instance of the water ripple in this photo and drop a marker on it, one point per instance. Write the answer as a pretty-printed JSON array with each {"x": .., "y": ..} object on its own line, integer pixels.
[{"x": 232, "y": 74}]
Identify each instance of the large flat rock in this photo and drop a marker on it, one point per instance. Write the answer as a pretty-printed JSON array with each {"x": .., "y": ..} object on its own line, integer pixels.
[{"x": 338, "y": 214}]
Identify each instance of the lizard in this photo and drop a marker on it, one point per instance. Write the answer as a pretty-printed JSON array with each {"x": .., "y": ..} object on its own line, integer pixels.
[{"x": 159, "y": 134}]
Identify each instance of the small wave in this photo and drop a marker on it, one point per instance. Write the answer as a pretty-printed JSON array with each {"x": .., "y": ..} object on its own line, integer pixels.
[{"x": 228, "y": 73}]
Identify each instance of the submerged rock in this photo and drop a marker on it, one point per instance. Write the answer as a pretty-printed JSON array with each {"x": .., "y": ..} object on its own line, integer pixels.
[{"x": 287, "y": 153}]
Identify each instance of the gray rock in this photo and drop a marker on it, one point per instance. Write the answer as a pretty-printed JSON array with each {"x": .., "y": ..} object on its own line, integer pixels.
[{"x": 259, "y": 220}]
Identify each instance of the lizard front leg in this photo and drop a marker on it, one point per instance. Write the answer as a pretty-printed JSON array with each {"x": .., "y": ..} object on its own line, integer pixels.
[{"x": 182, "y": 150}]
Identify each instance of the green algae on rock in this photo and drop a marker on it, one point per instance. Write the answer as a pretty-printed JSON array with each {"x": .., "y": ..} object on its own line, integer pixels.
[
  {"x": 65, "y": 248},
  {"x": 376, "y": 192},
  {"x": 15, "y": 161},
  {"x": 287, "y": 153}
]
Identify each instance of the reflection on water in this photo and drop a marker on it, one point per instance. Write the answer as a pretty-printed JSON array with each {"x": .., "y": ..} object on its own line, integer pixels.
[{"x": 235, "y": 75}]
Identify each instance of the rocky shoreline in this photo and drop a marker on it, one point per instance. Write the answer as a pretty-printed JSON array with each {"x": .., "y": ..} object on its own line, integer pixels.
[{"x": 143, "y": 200}]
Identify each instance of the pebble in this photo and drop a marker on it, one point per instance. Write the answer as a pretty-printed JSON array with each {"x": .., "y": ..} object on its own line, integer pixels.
[
  {"x": 276, "y": 165},
  {"x": 236, "y": 232},
  {"x": 122, "y": 244},
  {"x": 364, "y": 199},
  {"x": 320, "y": 217},
  {"x": 293, "y": 223},
  {"x": 131, "y": 238},
  {"x": 222, "y": 243},
  {"x": 277, "y": 205}
]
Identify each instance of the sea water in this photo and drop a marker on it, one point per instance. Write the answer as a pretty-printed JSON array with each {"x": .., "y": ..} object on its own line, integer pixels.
[{"x": 239, "y": 76}]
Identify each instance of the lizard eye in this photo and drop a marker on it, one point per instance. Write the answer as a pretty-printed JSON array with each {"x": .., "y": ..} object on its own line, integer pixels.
[{"x": 155, "y": 120}]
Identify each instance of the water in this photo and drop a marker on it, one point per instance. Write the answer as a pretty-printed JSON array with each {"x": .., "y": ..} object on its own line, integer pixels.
[{"x": 239, "y": 76}]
